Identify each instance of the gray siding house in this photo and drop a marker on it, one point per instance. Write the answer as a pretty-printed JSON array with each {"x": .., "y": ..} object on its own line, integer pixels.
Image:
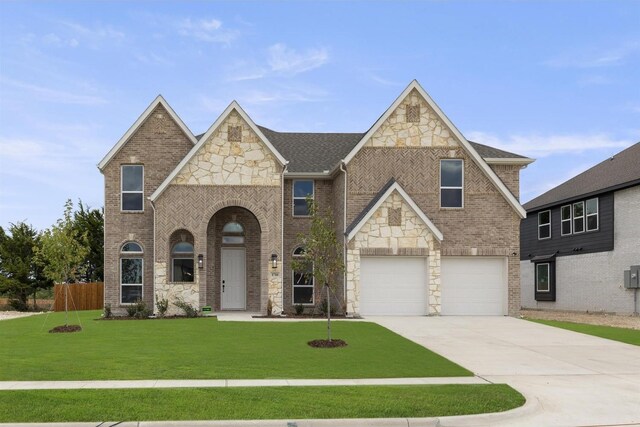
[{"x": 580, "y": 237}]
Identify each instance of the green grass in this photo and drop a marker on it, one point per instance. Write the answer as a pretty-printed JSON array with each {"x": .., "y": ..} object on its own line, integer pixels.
[
  {"x": 255, "y": 403},
  {"x": 629, "y": 336},
  {"x": 204, "y": 348}
]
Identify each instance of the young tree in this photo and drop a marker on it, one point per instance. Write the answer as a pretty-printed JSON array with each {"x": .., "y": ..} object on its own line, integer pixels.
[
  {"x": 90, "y": 222},
  {"x": 20, "y": 275},
  {"x": 62, "y": 252},
  {"x": 322, "y": 253}
]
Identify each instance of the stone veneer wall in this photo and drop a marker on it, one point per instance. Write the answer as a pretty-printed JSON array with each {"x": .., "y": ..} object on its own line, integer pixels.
[
  {"x": 376, "y": 237},
  {"x": 159, "y": 144}
]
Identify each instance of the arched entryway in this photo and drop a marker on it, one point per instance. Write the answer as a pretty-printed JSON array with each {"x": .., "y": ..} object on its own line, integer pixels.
[{"x": 234, "y": 261}]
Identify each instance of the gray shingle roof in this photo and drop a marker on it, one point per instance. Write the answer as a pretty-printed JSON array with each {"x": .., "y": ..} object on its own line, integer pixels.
[
  {"x": 369, "y": 206},
  {"x": 619, "y": 171},
  {"x": 319, "y": 152}
]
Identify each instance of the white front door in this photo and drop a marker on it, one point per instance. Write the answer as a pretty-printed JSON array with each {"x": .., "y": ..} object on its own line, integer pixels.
[{"x": 233, "y": 279}]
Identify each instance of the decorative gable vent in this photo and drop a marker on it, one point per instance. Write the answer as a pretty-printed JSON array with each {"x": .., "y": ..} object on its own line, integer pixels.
[
  {"x": 395, "y": 216},
  {"x": 235, "y": 133},
  {"x": 413, "y": 113}
]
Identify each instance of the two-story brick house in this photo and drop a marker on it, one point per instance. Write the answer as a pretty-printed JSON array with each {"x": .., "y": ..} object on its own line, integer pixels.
[{"x": 430, "y": 220}]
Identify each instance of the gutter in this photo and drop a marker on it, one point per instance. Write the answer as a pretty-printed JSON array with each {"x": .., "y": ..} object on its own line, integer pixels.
[
  {"x": 284, "y": 170},
  {"x": 344, "y": 230},
  {"x": 153, "y": 258}
]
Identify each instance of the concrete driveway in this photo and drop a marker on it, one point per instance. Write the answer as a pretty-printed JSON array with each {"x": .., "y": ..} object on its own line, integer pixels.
[{"x": 573, "y": 379}]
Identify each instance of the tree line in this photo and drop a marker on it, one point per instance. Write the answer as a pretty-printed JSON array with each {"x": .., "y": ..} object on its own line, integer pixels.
[{"x": 67, "y": 252}]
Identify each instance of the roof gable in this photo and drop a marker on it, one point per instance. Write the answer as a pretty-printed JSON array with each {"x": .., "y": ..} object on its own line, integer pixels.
[
  {"x": 379, "y": 199},
  {"x": 233, "y": 107},
  {"x": 457, "y": 135},
  {"x": 136, "y": 125}
]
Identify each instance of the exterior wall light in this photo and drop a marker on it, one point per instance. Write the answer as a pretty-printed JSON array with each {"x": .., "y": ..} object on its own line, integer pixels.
[
  {"x": 200, "y": 261},
  {"x": 274, "y": 261}
]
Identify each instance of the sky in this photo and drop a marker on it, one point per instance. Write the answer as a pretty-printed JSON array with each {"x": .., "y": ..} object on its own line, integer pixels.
[{"x": 556, "y": 81}]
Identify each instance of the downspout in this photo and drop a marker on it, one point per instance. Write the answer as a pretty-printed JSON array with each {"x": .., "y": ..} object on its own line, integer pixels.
[
  {"x": 344, "y": 229},
  {"x": 153, "y": 206},
  {"x": 284, "y": 169}
]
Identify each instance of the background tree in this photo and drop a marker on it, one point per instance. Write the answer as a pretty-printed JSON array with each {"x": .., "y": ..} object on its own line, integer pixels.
[
  {"x": 20, "y": 274},
  {"x": 322, "y": 253},
  {"x": 62, "y": 252},
  {"x": 90, "y": 223}
]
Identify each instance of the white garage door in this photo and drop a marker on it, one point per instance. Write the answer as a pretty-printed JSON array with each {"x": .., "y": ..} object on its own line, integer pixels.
[
  {"x": 393, "y": 286},
  {"x": 473, "y": 286}
]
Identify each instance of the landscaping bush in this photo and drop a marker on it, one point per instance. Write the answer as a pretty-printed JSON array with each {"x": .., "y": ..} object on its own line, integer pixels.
[
  {"x": 299, "y": 309},
  {"x": 188, "y": 309},
  {"x": 322, "y": 307},
  {"x": 107, "y": 313},
  {"x": 138, "y": 310},
  {"x": 162, "y": 305},
  {"x": 18, "y": 305},
  {"x": 269, "y": 307}
]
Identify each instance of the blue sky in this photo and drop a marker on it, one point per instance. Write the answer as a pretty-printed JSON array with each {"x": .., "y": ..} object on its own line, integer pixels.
[{"x": 557, "y": 81}]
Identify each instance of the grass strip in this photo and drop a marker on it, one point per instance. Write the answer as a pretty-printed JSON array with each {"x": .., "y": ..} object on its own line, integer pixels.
[
  {"x": 255, "y": 403},
  {"x": 625, "y": 335}
]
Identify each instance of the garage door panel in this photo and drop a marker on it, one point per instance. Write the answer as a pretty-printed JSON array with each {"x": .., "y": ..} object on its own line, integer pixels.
[{"x": 393, "y": 286}]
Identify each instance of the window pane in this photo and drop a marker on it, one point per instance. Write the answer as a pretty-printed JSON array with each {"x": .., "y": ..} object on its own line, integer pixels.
[
  {"x": 544, "y": 217},
  {"x": 566, "y": 212},
  {"x": 578, "y": 209},
  {"x": 542, "y": 283},
  {"x": 451, "y": 173},
  {"x": 303, "y": 295},
  {"x": 131, "y": 294},
  {"x": 131, "y": 247},
  {"x": 451, "y": 198},
  {"x": 233, "y": 240},
  {"x": 298, "y": 251},
  {"x": 566, "y": 227},
  {"x": 302, "y": 188},
  {"x": 545, "y": 231},
  {"x": 592, "y": 206},
  {"x": 183, "y": 247},
  {"x": 132, "y": 178},
  {"x": 592, "y": 222},
  {"x": 183, "y": 270},
  {"x": 131, "y": 201},
  {"x": 131, "y": 271},
  {"x": 302, "y": 279},
  {"x": 300, "y": 207},
  {"x": 578, "y": 225},
  {"x": 232, "y": 227}
]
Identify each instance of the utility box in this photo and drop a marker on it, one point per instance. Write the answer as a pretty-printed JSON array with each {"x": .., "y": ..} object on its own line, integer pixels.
[{"x": 632, "y": 277}]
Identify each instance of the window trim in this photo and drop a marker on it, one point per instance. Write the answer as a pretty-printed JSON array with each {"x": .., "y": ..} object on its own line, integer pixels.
[
  {"x": 548, "y": 276},
  {"x": 461, "y": 188},
  {"x": 579, "y": 217},
  {"x": 587, "y": 215},
  {"x": 141, "y": 284},
  {"x": 570, "y": 220},
  {"x": 294, "y": 198},
  {"x": 122, "y": 191},
  {"x": 543, "y": 225},
  {"x": 294, "y": 286}
]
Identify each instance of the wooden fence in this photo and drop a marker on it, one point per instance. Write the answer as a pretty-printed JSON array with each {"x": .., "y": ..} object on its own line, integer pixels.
[{"x": 81, "y": 296}]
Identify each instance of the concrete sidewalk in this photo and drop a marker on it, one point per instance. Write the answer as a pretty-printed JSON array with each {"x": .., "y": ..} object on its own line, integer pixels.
[{"x": 120, "y": 384}]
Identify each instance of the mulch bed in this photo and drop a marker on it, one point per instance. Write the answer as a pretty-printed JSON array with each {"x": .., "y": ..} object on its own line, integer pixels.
[
  {"x": 327, "y": 343},
  {"x": 65, "y": 328},
  {"x": 303, "y": 316},
  {"x": 150, "y": 318}
]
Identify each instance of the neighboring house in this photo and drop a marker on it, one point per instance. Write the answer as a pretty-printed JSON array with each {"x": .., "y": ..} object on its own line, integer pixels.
[
  {"x": 580, "y": 237},
  {"x": 430, "y": 220}
]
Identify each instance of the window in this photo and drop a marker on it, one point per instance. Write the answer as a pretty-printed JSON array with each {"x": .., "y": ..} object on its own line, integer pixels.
[
  {"x": 131, "y": 273},
  {"x": 543, "y": 278},
  {"x": 301, "y": 190},
  {"x": 132, "y": 183},
  {"x": 451, "y": 182},
  {"x": 578, "y": 217},
  {"x": 565, "y": 220},
  {"x": 592, "y": 214},
  {"x": 233, "y": 233},
  {"x": 302, "y": 282},
  {"x": 544, "y": 225},
  {"x": 182, "y": 262}
]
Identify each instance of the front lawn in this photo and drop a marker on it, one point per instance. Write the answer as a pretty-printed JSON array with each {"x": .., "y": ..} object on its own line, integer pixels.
[
  {"x": 629, "y": 336},
  {"x": 255, "y": 403},
  {"x": 204, "y": 348}
]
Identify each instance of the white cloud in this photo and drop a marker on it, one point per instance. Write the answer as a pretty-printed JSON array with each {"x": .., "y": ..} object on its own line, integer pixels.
[
  {"x": 283, "y": 94},
  {"x": 206, "y": 30},
  {"x": 541, "y": 146},
  {"x": 288, "y": 61},
  {"x": 594, "y": 80},
  {"x": 53, "y": 95},
  {"x": 596, "y": 58},
  {"x": 380, "y": 80},
  {"x": 97, "y": 31}
]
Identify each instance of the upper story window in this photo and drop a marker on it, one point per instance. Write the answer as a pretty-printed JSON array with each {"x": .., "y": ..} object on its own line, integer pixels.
[
  {"x": 182, "y": 262},
  {"x": 451, "y": 183},
  {"x": 578, "y": 217},
  {"x": 566, "y": 220},
  {"x": 233, "y": 233},
  {"x": 131, "y": 273},
  {"x": 301, "y": 190},
  {"x": 132, "y": 193},
  {"x": 592, "y": 214},
  {"x": 544, "y": 225}
]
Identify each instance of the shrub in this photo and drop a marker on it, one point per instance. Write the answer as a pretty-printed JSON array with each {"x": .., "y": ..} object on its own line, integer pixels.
[
  {"x": 188, "y": 309},
  {"x": 299, "y": 309},
  {"x": 269, "y": 307},
  {"x": 138, "y": 310},
  {"x": 18, "y": 305},
  {"x": 162, "y": 305},
  {"x": 107, "y": 311},
  {"x": 322, "y": 307}
]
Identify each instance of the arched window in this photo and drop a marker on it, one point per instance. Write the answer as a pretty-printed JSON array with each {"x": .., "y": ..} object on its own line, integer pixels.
[
  {"x": 182, "y": 262},
  {"x": 303, "y": 292},
  {"x": 131, "y": 273},
  {"x": 233, "y": 233}
]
